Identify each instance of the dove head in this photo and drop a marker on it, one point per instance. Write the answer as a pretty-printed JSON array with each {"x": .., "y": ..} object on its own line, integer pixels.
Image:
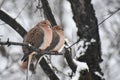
[
  {"x": 45, "y": 22},
  {"x": 57, "y": 28}
]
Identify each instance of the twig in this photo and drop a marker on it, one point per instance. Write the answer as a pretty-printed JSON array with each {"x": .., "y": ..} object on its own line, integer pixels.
[
  {"x": 22, "y": 9},
  {"x": 28, "y": 46},
  {"x": 54, "y": 68},
  {"x": 48, "y": 70},
  {"x": 41, "y": 12},
  {"x": 2, "y": 3},
  {"x": 72, "y": 44},
  {"x": 109, "y": 16},
  {"x": 58, "y": 71}
]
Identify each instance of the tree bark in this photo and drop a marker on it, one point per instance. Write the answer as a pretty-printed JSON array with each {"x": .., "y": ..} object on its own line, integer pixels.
[{"x": 84, "y": 16}]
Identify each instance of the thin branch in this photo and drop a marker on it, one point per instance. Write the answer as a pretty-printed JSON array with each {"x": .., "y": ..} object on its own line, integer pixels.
[
  {"x": 22, "y": 9},
  {"x": 58, "y": 71},
  {"x": 2, "y": 3},
  {"x": 55, "y": 68},
  {"x": 29, "y": 46},
  {"x": 109, "y": 16},
  {"x": 48, "y": 70}
]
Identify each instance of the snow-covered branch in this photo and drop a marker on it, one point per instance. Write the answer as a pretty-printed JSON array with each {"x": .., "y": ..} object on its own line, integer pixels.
[{"x": 81, "y": 71}]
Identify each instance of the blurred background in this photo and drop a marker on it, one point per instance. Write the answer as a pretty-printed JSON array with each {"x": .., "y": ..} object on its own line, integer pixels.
[{"x": 26, "y": 13}]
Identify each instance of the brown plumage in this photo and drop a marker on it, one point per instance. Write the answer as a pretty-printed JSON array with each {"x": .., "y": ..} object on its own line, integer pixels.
[
  {"x": 58, "y": 39},
  {"x": 40, "y": 37}
]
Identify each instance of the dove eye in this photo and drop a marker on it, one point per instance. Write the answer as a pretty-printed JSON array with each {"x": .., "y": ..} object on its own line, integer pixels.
[{"x": 44, "y": 22}]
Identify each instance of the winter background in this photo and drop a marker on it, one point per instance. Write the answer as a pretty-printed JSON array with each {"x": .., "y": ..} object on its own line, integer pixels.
[{"x": 24, "y": 11}]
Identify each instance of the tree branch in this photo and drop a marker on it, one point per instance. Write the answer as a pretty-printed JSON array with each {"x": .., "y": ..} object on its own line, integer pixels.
[
  {"x": 69, "y": 59},
  {"x": 12, "y": 22},
  {"x": 48, "y": 12},
  {"x": 30, "y": 47}
]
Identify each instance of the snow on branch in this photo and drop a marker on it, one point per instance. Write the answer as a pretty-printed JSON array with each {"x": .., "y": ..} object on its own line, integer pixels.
[
  {"x": 81, "y": 66},
  {"x": 80, "y": 69},
  {"x": 99, "y": 75},
  {"x": 82, "y": 47}
]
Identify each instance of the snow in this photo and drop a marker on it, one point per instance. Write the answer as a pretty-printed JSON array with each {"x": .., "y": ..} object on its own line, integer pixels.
[
  {"x": 98, "y": 74},
  {"x": 109, "y": 32},
  {"x": 82, "y": 46},
  {"x": 68, "y": 23},
  {"x": 80, "y": 66},
  {"x": 67, "y": 71},
  {"x": 93, "y": 40},
  {"x": 79, "y": 48},
  {"x": 3, "y": 63}
]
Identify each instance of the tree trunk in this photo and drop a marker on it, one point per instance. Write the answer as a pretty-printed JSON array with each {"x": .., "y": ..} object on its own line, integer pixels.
[{"x": 84, "y": 16}]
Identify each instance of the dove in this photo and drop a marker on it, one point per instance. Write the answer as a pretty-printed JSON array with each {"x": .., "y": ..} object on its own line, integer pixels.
[
  {"x": 40, "y": 37},
  {"x": 58, "y": 39}
]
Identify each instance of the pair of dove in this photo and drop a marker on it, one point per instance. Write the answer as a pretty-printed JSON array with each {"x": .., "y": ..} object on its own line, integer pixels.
[{"x": 44, "y": 38}]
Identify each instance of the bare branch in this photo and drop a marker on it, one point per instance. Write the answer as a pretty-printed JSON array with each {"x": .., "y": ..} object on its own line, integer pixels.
[
  {"x": 29, "y": 46},
  {"x": 12, "y": 22},
  {"x": 68, "y": 57},
  {"x": 109, "y": 16},
  {"x": 48, "y": 12},
  {"x": 22, "y": 9},
  {"x": 2, "y": 3}
]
